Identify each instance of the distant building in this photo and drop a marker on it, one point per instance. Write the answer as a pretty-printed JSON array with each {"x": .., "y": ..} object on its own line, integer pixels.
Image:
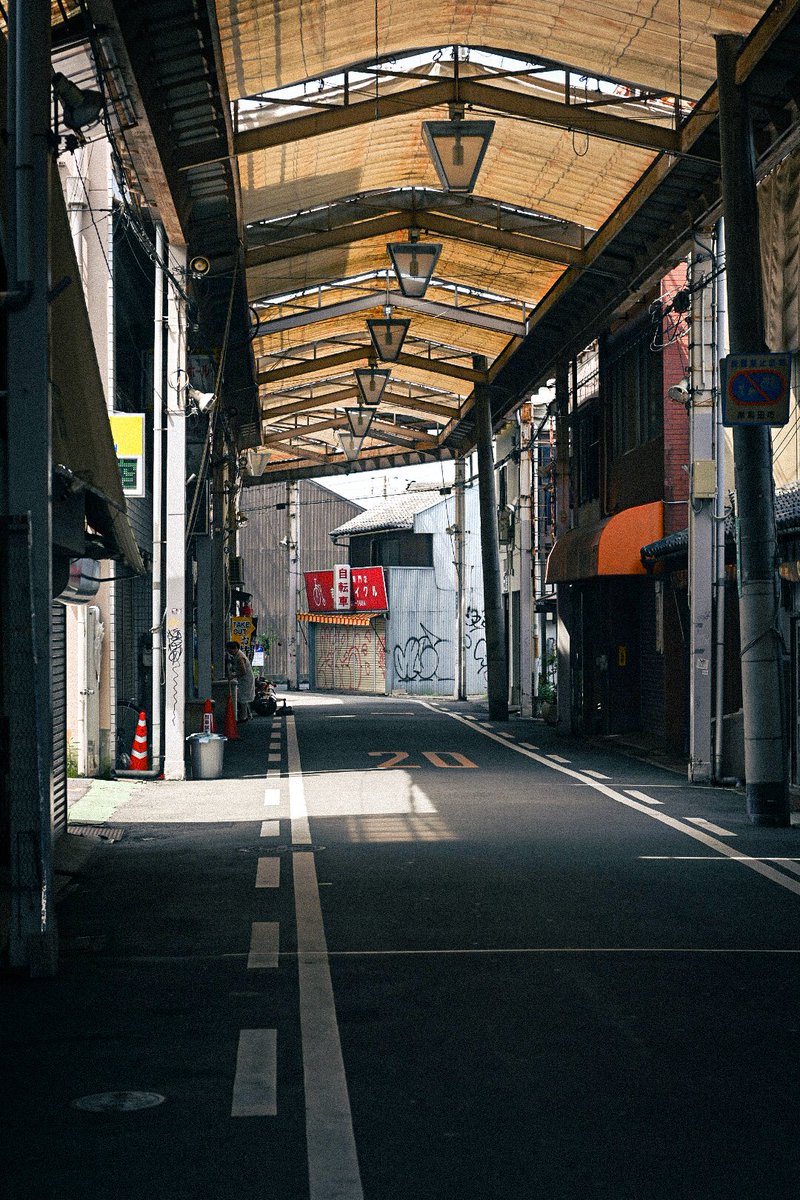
[{"x": 413, "y": 537}]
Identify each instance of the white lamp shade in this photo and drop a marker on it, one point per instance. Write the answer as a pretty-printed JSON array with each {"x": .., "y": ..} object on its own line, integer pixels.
[
  {"x": 257, "y": 460},
  {"x": 388, "y": 336},
  {"x": 371, "y": 384},
  {"x": 349, "y": 443},
  {"x": 457, "y": 149},
  {"x": 359, "y": 420},
  {"x": 414, "y": 264}
]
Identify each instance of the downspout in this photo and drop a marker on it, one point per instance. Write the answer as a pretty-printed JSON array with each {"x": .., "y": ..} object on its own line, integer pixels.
[{"x": 20, "y": 159}]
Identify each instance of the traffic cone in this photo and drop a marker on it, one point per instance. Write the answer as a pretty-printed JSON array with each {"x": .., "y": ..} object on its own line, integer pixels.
[
  {"x": 231, "y": 732},
  {"x": 208, "y": 716},
  {"x": 139, "y": 747}
]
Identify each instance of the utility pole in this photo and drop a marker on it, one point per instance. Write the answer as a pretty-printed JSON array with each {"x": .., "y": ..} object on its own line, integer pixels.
[
  {"x": 176, "y": 654},
  {"x": 720, "y": 348},
  {"x": 26, "y": 588},
  {"x": 293, "y": 549},
  {"x": 702, "y": 485},
  {"x": 461, "y": 594},
  {"x": 497, "y": 670},
  {"x": 763, "y": 696},
  {"x": 525, "y": 568}
]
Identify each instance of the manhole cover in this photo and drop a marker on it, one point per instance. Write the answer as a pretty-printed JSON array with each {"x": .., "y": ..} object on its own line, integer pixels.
[{"x": 118, "y": 1101}]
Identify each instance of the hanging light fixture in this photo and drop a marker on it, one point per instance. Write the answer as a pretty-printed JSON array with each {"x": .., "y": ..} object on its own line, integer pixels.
[
  {"x": 371, "y": 383},
  {"x": 359, "y": 419},
  {"x": 414, "y": 263},
  {"x": 388, "y": 334},
  {"x": 349, "y": 443},
  {"x": 80, "y": 106},
  {"x": 457, "y": 148}
]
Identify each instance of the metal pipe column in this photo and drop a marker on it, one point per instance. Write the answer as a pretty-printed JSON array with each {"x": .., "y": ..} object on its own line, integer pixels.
[
  {"x": 461, "y": 593},
  {"x": 157, "y": 628},
  {"x": 763, "y": 701},
  {"x": 497, "y": 670},
  {"x": 27, "y": 583}
]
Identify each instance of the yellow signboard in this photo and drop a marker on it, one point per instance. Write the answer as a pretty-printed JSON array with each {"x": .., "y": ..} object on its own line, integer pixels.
[
  {"x": 242, "y": 630},
  {"x": 127, "y": 429}
]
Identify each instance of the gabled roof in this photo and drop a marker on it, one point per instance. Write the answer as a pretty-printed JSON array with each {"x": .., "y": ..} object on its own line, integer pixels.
[{"x": 395, "y": 514}]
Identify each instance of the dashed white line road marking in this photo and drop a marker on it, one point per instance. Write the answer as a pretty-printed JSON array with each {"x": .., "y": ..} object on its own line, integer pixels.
[
  {"x": 268, "y": 873},
  {"x": 273, "y": 758},
  {"x": 641, "y": 796},
  {"x": 528, "y": 746},
  {"x": 595, "y": 774},
  {"x": 255, "y": 1092},
  {"x": 301, "y": 834},
  {"x": 693, "y": 831},
  {"x": 270, "y": 829},
  {"x": 711, "y": 827},
  {"x": 264, "y": 940},
  {"x": 272, "y": 796},
  {"x": 558, "y": 758},
  {"x": 503, "y": 734},
  {"x": 333, "y": 1172}
]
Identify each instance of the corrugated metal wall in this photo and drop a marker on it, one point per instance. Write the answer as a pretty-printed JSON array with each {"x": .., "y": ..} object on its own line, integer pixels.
[
  {"x": 266, "y": 560},
  {"x": 58, "y": 684},
  {"x": 421, "y": 653}
]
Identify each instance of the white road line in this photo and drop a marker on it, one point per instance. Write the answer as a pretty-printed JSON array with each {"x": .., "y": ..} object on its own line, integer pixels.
[
  {"x": 272, "y": 796},
  {"x": 255, "y": 1092},
  {"x": 268, "y": 872},
  {"x": 333, "y": 1172},
  {"x": 595, "y": 774},
  {"x": 502, "y": 734},
  {"x": 558, "y": 758},
  {"x": 791, "y": 885},
  {"x": 301, "y": 834},
  {"x": 791, "y": 864},
  {"x": 640, "y": 796},
  {"x": 270, "y": 829},
  {"x": 264, "y": 941},
  {"x": 273, "y": 758},
  {"x": 711, "y": 827},
  {"x": 528, "y": 746}
]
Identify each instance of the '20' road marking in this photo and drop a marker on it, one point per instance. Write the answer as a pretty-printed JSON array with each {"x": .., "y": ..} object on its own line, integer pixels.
[{"x": 435, "y": 757}]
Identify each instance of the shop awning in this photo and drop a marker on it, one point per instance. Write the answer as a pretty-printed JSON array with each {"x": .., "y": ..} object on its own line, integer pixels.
[
  {"x": 338, "y": 618},
  {"x": 82, "y": 441},
  {"x": 611, "y": 547}
]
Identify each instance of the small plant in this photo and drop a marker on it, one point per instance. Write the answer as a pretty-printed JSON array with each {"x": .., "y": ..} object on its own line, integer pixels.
[
  {"x": 72, "y": 759},
  {"x": 547, "y": 692}
]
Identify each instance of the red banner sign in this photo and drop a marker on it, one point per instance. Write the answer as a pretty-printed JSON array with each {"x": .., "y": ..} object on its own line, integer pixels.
[{"x": 367, "y": 590}]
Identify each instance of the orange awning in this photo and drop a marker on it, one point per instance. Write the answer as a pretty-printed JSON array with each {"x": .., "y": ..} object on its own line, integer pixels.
[
  {"x": 612, "y": 547},
  {"x": 338, "y": 618}
]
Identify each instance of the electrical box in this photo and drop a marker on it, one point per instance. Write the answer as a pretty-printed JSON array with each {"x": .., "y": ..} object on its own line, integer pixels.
[{"x": 704, "y": 479}]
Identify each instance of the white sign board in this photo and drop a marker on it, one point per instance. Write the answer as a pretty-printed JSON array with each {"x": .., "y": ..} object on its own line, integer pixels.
[{"x": 341, "y": 587}]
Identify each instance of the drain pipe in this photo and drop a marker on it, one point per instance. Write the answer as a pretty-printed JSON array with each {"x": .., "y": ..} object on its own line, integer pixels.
[{"x": 20, "y": 157}]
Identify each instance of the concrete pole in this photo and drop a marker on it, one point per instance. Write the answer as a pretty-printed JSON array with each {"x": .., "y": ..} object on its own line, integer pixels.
[
  {"x": 176, "y": 654},
  {"x": 293, "y": 548},
  {"x": 701, "y": 522},
  {"x": 27, "y": 578},
  {"x": 461, "y": 591},
  {"x": 497, "y": 670},
  {"x": 157, "y": 627},
  {"x": 763, "y": 698},
  {"x": 720, "y": 350},
  {"x": 525, "y": 572}
]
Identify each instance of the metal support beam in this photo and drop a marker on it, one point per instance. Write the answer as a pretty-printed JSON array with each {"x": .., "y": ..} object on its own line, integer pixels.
[
  {"x": 763, "y": 694},
  {"x": 565, "y": 605},
  {"x": 176, "y": 653},
  {"x": 26, "y": 590},
  {"x": 497, "y": 668},
  {"x": 461, "y": 590},
  {"x": 327, "y": 362},
  {"x": 377, "y": 299},
  {"x": 293, "y": 547},
  {"x": 525, "y": 570}
]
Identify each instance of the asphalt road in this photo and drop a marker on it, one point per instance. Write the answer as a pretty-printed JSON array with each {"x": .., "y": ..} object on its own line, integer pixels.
[{"x": 400, "y": 951}]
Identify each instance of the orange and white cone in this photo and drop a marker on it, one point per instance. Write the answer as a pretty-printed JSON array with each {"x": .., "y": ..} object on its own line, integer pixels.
[
  {"x": 231, "y": 731},
  {"x": 139, "y": 747}
]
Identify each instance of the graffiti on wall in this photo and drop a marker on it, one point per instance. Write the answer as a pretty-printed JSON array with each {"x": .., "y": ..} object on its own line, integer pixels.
[
  {"x": 175, "y": 659},
  {"x": 475, "y": 638},
  {"x": 350, "y": 659},
  {"x": 417, "y": 661}
]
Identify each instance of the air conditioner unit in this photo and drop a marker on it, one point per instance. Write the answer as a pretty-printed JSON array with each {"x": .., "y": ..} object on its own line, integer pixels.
[
  {"x": 235, "y": 571},
  {"x": 505, "y": 527}
]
